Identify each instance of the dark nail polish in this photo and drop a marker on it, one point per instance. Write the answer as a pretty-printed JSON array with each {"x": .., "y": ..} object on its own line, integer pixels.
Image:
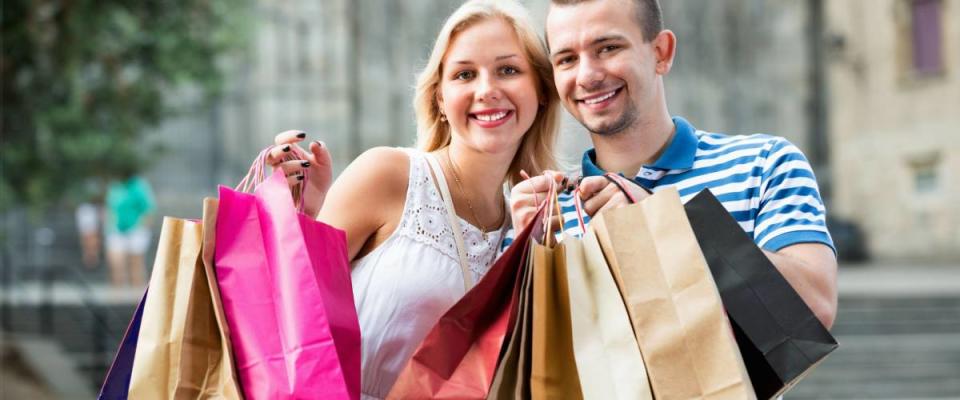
[
  {"x": 305, "y": 164},
  {"x": 286, "y": 148},
  {"x": 299, "y": 177},
  {"x": 302, "y": 135},
  {"x": 563, "y": 182},
  {"x": 319, "y": 143}
]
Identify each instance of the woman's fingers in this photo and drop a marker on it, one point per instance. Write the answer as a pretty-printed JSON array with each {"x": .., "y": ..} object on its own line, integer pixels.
[{"x": 289, "y": 137}]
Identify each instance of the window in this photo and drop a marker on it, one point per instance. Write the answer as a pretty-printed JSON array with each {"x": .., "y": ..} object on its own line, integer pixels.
[{"x": 927, "y": 36}]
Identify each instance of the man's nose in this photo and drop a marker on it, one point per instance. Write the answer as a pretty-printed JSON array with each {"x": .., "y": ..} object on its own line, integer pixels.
[{"x": 590, "y": 73}]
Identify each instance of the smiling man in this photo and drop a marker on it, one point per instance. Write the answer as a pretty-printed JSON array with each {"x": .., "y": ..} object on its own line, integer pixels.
[{"x": 610, "y": 58}]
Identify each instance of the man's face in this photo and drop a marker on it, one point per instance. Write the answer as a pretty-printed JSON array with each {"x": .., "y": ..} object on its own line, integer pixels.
[{"x": 604, "y": 71}]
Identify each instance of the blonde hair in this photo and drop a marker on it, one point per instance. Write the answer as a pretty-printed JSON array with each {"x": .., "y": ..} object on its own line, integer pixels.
[{"x": 536, "y": 151}]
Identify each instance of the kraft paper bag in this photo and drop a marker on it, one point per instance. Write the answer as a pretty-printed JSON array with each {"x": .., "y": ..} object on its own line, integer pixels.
[
  {"x": 511, "y": 379},
  {"x": 673, "y": 303},
  {"x": 180, "y": 350},
  {"x": 780, "y": 338},
  {"x": 554, "y": 370},
  {"x": 180, "y": 354},
  {"x": 608, "y": 358}
]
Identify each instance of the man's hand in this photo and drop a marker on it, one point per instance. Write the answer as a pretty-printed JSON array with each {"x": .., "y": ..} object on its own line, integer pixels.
[
  {"x": 526, "y": 197},
  {"x": 599, "y": 193}
]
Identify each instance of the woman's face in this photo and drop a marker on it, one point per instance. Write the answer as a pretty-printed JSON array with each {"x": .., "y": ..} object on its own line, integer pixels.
[{"x": 488, "y": 88}]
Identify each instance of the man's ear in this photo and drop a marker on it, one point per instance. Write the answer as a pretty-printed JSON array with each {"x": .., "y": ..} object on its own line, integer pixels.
[{"x": 665, "y": 49}]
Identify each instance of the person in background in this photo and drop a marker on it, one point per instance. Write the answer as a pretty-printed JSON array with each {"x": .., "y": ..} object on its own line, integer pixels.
[
  {"x": 129, "y": 206},
  {"x": 89, "y": 217}
]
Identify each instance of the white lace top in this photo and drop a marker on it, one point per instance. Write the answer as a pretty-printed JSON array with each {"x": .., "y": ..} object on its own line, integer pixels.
[{"x": 404, "y": 285}]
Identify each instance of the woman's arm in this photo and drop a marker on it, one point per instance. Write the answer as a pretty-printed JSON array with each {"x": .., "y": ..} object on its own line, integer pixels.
[{"x": 367, "y": 199}]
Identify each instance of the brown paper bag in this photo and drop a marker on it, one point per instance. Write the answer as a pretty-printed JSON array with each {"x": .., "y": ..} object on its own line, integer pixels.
[
  {"x": 685, "y": 338},
  {"x": 608, "y": 358},
  {"x": 512, "y": 377},
  {"x": 181, "y": 352},
  {"x": 554, "y": 372}
]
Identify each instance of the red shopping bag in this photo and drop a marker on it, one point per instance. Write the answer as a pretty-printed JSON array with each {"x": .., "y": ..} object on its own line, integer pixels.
[
  {"x": 285, "y": 283},
  {"x": 458, "y": 358}
]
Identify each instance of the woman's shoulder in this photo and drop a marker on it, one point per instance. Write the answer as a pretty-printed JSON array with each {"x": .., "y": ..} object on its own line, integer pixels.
[{"x": 380, "y": 170}]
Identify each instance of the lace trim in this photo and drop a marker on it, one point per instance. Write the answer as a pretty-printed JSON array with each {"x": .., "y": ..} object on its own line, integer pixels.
[{"x": 425, "y": 221}]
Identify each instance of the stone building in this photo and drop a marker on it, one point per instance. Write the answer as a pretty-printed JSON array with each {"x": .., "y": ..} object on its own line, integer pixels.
[{"x": 894, "y": 100}]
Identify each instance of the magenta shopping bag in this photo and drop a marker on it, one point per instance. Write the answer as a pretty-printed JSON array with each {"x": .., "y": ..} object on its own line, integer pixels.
[{"x": 285, "y": 282}]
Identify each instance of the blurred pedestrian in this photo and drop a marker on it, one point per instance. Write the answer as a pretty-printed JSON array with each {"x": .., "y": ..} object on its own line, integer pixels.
[
  {"x": 129, "y": 206},
  {"x": 89, "y": 216}
]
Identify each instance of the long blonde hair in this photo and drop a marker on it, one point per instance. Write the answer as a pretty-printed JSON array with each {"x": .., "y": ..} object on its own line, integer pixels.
[{"x": 536, "y": 151}]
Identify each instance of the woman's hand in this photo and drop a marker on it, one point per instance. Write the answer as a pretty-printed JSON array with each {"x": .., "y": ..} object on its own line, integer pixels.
[
  {"x": 316, "y": 165},
  {"x": 526, "y": 197}
]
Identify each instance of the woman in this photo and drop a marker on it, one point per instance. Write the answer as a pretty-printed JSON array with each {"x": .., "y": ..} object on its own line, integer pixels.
[{"x": 486, "y": 111}]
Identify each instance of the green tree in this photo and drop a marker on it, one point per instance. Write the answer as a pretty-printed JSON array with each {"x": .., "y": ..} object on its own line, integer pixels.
[{"x": 83, "y": 80}]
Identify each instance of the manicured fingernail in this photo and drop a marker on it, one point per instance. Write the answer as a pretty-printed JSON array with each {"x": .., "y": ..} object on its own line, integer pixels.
[
  {"x": 302, "y": 135},
  {"x": 319, "y": 143},
  {"x": 299, "y": 177},
  {"x": 286, "y": 148},
  {"x": 305, "y": 164},
  {"x": 563, "y": 182}
]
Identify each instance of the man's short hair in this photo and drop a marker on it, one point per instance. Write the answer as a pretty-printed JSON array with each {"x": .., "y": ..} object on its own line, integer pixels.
[{"x": 647, "y": 13}]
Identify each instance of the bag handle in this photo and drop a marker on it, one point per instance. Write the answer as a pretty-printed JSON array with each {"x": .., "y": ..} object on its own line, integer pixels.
[
  {"x": 552, "y": 203},
  {"x": 255, "y": 176},
  {"x": 618, "y": 181},
  {"x": 441, "y": 181}
]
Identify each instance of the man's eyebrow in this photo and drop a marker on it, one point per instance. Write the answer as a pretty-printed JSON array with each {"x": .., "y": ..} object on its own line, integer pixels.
[{"x": 607, "y": 38}]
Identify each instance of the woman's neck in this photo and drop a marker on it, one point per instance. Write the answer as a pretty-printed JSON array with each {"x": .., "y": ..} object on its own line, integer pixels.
[{"x": 481, "y": 176}]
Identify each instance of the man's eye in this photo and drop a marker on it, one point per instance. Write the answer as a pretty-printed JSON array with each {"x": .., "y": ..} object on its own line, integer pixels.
[
  {"x": 463, "y": 75},
  {"x": 565, "y": 60},
  {"x": 607, "y": 49}
]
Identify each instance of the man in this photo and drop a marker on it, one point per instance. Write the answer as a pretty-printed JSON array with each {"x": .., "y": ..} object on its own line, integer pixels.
[{"x": 609, "y": 59}]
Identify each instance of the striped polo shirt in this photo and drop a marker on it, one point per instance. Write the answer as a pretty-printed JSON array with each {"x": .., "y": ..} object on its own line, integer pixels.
[{"x": 764, "y": 181}]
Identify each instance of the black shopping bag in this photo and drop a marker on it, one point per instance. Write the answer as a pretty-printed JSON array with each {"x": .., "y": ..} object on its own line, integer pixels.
[{"x": 780, "y": 338}]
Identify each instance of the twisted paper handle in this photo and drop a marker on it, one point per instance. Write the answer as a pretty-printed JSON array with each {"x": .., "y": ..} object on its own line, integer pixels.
[{"x": 256, "y": 176}]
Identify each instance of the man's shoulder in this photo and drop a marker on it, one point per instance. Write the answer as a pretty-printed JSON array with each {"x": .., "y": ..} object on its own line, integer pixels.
[{"x": 757, "y": 145}]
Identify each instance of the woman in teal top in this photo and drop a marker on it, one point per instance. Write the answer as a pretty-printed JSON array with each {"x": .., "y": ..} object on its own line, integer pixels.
[{"x": 129, "y": 205}]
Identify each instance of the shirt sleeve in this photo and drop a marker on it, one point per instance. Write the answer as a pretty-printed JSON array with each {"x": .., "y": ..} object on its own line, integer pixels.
[{"x": 791, "y": 210}]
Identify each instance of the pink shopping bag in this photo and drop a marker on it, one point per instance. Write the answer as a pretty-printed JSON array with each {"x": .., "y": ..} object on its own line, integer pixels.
[{"x": 285, "y": 282}]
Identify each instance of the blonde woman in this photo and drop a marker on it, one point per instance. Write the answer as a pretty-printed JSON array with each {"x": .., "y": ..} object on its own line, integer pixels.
[{"x": 423, "y": 225}]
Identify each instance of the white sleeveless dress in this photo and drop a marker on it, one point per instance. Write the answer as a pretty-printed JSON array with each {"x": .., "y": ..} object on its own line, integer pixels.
[{"x": 404, "y": 286}]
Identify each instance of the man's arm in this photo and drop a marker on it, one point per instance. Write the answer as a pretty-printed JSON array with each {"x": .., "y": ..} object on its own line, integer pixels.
[{"x": 811, "y": 268}]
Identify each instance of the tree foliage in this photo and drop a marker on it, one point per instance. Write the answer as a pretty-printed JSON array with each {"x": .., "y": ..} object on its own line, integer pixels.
[{"x": 83, "y": 80}]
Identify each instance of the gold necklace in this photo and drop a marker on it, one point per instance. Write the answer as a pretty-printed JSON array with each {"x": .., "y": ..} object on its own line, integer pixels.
[{"x": 456, "y": 178}]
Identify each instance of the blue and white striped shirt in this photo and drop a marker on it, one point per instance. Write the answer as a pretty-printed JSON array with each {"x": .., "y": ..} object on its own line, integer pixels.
[{"x": 764, "y": 181}]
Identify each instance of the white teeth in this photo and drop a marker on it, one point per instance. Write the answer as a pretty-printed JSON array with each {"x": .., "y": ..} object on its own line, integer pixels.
[
  {"x": 492, "y": 117},
  {"x": 601, "y": 98}
]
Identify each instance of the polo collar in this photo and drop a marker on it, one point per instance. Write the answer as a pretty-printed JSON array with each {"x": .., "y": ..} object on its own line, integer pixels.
[{"x": 679, "y": 154}]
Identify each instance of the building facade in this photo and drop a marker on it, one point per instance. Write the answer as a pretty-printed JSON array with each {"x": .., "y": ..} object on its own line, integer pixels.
[{"x": 894, "y": 101}]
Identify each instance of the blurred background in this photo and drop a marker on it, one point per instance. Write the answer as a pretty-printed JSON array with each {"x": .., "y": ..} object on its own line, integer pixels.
[{"x": 140, "y": 109}]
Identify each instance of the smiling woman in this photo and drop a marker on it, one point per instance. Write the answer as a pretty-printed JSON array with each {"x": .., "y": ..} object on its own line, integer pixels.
[{"x": 424, "y": 224}]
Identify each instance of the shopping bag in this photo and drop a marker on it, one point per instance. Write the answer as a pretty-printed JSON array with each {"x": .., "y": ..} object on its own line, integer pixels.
[
  {"x": 554, "y": 370},
  {"x": 181, "y": 351},
  {"x": 685, "y": 338},
  {"x": 779, "y": 337},
  {"x": 512, "y": 377},
  {"x": 285, "y": 285},
  {"x": 458, "y": 357},
  {"x": 608, "y": 358},
  {"x": 117, "y": 383}
]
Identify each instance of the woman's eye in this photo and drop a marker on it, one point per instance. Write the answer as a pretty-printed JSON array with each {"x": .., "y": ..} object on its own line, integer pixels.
[
  {"x": 463, "y": 75},
  {"x": 509, "y": 70}
]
